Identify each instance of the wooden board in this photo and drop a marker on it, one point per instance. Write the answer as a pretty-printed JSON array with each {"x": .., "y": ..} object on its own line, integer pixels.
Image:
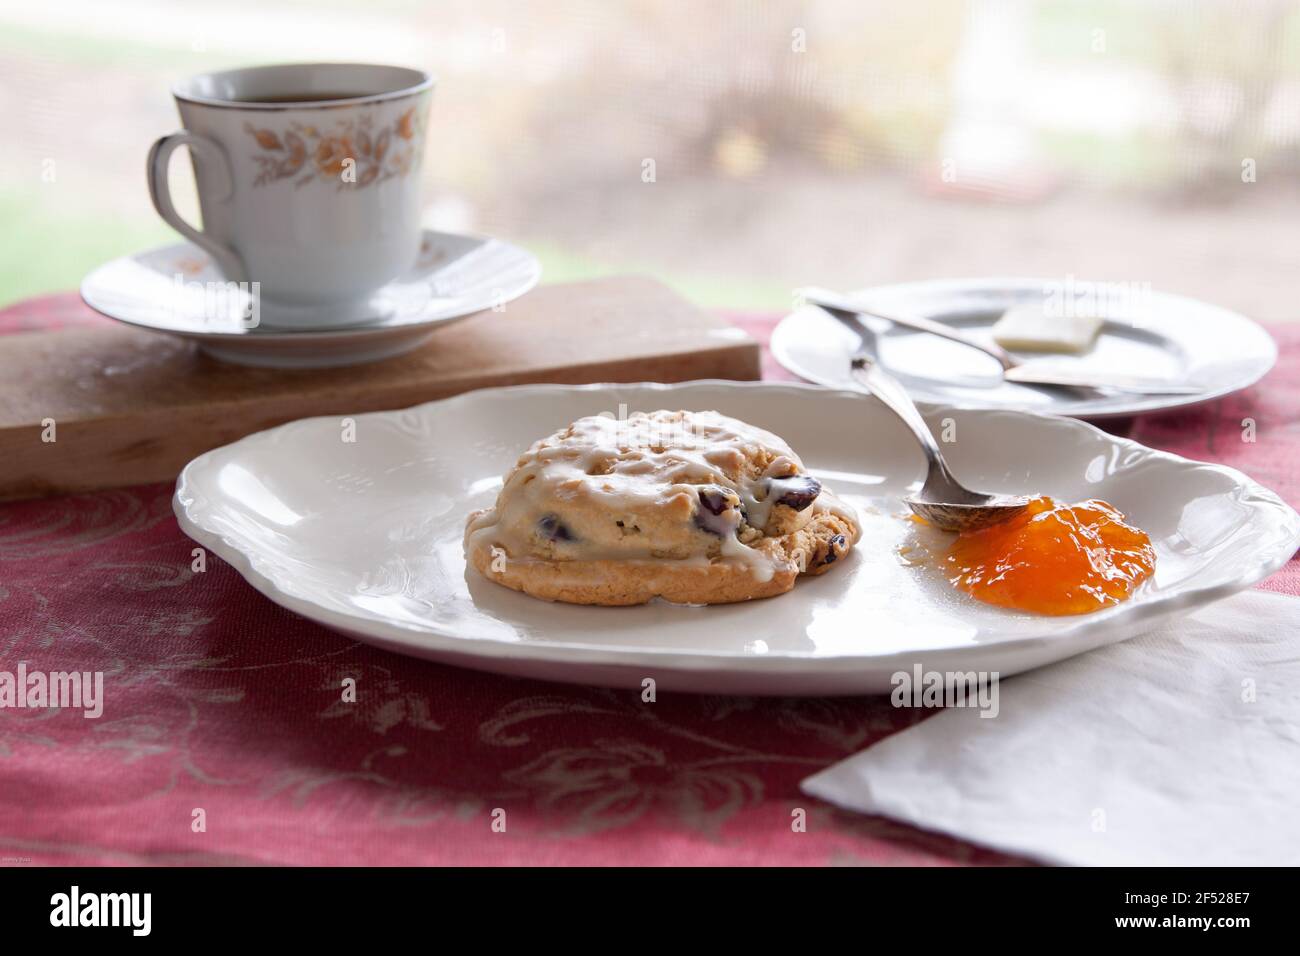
[{"x": 132, "y": 406}]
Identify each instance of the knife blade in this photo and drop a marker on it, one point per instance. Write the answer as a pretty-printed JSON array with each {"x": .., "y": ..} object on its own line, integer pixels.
[{"x": 1083, "y": 378}]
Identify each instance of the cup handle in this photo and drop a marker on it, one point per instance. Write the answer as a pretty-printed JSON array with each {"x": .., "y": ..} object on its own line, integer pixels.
[{"x": 207, "y": 153}]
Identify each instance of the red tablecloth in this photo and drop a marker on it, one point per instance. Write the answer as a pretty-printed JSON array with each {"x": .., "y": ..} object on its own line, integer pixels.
[{"x": 217, "y": 700}]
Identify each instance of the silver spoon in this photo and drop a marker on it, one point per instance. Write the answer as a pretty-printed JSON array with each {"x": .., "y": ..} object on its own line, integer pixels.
[
  {"x": 1013, "y": 370},
  {"x": 943, "y": 501}
]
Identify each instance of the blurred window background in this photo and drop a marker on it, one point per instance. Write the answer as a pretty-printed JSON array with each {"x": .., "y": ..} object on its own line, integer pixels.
[{"x": 836, "y": 142}]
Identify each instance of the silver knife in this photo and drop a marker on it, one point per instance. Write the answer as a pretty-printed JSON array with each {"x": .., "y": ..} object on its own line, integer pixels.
[{"x": 1013, "y": 370}]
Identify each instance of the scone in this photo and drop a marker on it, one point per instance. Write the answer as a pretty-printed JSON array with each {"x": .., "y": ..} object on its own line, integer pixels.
[{"x": 691, "y": 507}]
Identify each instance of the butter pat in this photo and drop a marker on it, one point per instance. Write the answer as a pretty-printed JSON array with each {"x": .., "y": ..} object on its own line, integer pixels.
[{"x": 1029, "y": 328}]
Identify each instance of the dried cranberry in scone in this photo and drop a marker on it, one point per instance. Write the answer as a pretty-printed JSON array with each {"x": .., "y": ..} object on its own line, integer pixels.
[
  {"x": 784, "y": 502},
  {"x": 796, "y": 492}
]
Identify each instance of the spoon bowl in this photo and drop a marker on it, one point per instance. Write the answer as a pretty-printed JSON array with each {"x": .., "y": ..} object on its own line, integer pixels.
[
  {"x": 943, "y": 501},
  {"x": 951, "y": 516}
]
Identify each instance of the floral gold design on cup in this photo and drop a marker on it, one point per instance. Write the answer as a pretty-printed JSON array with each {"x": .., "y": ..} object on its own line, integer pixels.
[
  {"x": 332, "y": 154},
  {"x": 284, "y": 154},
  {"x": 406, "y": 125}
]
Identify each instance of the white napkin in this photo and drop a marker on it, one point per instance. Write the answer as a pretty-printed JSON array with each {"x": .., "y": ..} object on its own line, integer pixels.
[{"x": 1179, "y": 747}]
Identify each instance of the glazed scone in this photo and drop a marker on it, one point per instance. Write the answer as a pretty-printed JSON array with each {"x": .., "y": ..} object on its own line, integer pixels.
[{"x": 691, "y": 507}]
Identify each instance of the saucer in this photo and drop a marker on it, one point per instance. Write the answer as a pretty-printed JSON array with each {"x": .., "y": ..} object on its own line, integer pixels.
[{"x": 178, "y": 290}]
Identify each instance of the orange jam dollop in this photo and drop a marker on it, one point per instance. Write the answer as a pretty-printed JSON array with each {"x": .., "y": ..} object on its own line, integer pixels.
[{"x": 1053, "y": 559}]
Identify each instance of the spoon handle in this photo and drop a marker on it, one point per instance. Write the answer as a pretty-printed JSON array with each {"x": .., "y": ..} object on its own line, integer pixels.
[
  {"x": 839, "y": 303},
  {"x": 894, "y": 397}
]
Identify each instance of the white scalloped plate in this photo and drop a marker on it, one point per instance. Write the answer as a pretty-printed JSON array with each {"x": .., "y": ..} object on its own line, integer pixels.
[{"x": 365, "y": 537}]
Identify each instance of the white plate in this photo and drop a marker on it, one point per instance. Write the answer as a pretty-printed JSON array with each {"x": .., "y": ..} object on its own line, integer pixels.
[
  {"x": 179, "y": 290},
  {"x": 1181, "y": 339},
  {"x": 365, "y": 537}
]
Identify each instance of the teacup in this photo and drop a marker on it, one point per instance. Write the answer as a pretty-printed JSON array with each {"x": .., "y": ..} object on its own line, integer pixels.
[{"x": 308, "y": 180}]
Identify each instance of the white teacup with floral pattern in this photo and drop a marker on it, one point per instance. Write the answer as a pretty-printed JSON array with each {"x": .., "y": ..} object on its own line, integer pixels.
[{"x": 309, "y": 182}]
